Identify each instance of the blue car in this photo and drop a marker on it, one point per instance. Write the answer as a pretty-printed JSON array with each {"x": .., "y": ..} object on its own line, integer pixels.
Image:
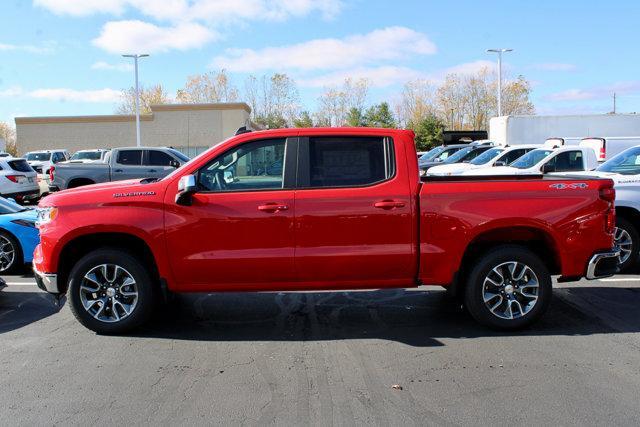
[{"x": 18, "y": 235}]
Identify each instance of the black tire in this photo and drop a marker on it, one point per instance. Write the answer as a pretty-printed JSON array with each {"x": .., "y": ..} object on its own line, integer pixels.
[
  {"x": 631, "y": 264},
  {"x": 146, "y": 288},
  {"x": 475, "y": 288},
  {"x": 18, "y": 259}
]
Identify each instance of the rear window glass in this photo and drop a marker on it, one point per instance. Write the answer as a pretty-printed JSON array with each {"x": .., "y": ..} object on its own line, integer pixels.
[
  {"x": 339, "y": 162},
  {"x": 20, "y": 165},
  {"x": 129, "y": 157}
]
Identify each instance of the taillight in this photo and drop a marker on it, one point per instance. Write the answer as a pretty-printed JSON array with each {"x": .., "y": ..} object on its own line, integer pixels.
[
  {"x": 16, "y": 178},
  {"x": 51, "y": 173},
  {"x": 610, "y": 221},
  {"x": 603, "y": 152},
  {"x": 608, "y": 194}
]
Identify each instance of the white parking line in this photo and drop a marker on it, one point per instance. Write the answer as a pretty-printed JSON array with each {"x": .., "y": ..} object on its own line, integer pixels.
[
  {"x": 621, "y": 279},
  {"x": 21, "y": 283}
]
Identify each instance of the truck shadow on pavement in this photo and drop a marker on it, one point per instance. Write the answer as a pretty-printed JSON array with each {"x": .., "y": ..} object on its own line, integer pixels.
[
  {"x": 19, "y": 309},
  {"x": 416, "y": 318}
]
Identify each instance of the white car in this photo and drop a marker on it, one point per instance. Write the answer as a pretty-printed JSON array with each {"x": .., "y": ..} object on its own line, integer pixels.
[
  {"x": 17, "y": 179},
  {"x": 624, "y": 170},
  {"x": 41, "y": 161},
  {"x": 546, "y": 160},
  {"x": 497, "y": 156},
  {"x": 89, "y": 156}
]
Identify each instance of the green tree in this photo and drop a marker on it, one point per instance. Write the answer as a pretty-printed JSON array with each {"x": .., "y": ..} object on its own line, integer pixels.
[
  {"x": 428, "y": 132},
  {"x": 354, "y": 118},
  {"x": 379, "y": 116},
  {"x": 304, "y": 121}
]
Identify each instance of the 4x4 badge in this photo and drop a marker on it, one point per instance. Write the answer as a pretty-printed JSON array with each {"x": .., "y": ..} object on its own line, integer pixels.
[{"x": 573, "y": 186}]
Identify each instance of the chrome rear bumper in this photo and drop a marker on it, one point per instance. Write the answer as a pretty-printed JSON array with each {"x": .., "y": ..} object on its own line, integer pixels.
[
  {"x": 47, "y": 282},
  {"x": 604, "y": 264}
]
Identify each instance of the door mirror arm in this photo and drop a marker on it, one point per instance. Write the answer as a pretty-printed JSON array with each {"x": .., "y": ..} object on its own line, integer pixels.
[{"x": 186, "y": 188}]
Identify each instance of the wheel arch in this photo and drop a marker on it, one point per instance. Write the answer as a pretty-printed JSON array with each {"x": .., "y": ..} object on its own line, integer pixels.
[
  {"x": 537, "y": 240},
  {"x": 81, "y": 245},
  {"x": 629, "y": 213},
  {"x": 79, "y": 182}
]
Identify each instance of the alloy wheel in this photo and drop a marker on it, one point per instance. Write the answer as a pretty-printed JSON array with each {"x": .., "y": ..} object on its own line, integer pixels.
[
  {"x": 510, "y": 290},
  {"x": 109, "y": 293},
  {"x": 7, "y": 253},
  {"x": 624, "y": 241}
]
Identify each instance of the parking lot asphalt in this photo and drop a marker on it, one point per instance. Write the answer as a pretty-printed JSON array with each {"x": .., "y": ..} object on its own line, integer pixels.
[{"x": 325, "y": 358}]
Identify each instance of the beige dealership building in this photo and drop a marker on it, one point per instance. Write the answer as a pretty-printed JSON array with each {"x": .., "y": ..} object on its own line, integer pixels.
[{"x": 190, "y": 128}]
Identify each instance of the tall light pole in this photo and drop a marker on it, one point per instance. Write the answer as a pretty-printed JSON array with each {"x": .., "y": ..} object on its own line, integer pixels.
[
  {"x": 135, "y": 61},
  {"x": 499, "y": 52}
]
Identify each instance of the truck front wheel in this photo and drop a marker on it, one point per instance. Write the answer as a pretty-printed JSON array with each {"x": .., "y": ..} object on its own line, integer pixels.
[
  {"x": 509, "y": 288},
  {"x": 110, "y": 291}
]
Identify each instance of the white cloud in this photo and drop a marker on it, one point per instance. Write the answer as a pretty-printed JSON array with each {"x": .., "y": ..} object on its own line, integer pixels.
[
  {"x": 386, "y": 44},
  {"x": 82, "y": 7},
  {"x": 11, "y": 92},
  {"x": 65, "y": 94},
  {"x": 554, "y": 66},
  {"x": 214, "y": 11},
  {"x": 468, "y": 68},
  {"x": 377, "y": 76},
  {"x": 49, "y": 48},
  {"x": 101, "y": 65},
  {"x": 596, "y": 92},
  {"x": 137, "y": 36}
]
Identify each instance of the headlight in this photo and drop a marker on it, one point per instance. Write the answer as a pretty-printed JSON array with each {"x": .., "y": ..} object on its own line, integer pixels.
[{"x": 46, "y": 215}]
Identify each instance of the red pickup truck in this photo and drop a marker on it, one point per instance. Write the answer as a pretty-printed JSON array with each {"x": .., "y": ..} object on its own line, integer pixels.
[{"x": 309, "y": 209}]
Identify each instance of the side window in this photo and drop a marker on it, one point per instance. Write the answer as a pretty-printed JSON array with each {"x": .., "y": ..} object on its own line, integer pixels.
[
  {"x": 159, "y": 158},
  {"x": 349, "y": 161},
  {"x": 257, "y": 165},
  {"x": 129, "y": 157},
  {"x": 569, "y": 161},
  {"x": 513, "y": 155}
]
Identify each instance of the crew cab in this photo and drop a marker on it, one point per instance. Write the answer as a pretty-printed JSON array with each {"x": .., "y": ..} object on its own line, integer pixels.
[
  {"x": 347, "y": 210},
  {"x": 119, "y": 164}
]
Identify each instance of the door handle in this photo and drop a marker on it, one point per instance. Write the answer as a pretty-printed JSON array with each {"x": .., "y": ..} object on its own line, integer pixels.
[
  {"x": 272, "y": 207},
  {"x": 388, "y": 204},
  {"x": 118, "y": 170}
]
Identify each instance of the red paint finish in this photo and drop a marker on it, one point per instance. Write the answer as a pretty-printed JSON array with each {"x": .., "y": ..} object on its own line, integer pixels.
[{"x": 395, "y": 233}]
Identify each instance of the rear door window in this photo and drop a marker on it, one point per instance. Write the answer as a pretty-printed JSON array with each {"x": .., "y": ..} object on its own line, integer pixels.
[
  {"x": 20, "y": 165},
  {"x": 348, "y": 161},
  {"x": 129, "y": 157},
  {"x": 568, "y": 161}
]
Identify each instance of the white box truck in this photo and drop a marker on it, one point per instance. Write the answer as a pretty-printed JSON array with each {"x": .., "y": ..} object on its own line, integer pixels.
[{"x": 607, "y": 134}]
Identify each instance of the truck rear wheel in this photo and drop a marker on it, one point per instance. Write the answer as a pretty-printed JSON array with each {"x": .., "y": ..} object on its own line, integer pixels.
[
  {"x": 111, "y": 292},
  {"x": 628, "y": 240},
  {"x": 508, "y": 289}
]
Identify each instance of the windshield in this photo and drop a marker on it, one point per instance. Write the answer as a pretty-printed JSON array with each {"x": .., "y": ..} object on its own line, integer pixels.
[
  {"x": 625, "y": 163},
  {"x": 87, "y": 155},
  {"x": 179, "y": 155},
  {"x": 9, "y": 207},
  {"x": 431, "y": 154},
  {"x": 531, "y": 159},
  {"x": 40, "y": 157},
  {"x": 487, "y": 156},
  {"x": 458, "y": 155}
]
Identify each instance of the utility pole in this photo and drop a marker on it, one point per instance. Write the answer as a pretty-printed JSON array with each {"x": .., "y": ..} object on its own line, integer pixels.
[
  {"x": 453, "y": 126},
  {"x": 135, "y": 61},
  {"x": 614, "y": 102},
  {"x": 499, "y": 52}
]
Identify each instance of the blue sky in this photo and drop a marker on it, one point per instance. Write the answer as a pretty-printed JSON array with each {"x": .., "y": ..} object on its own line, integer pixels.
[{"x": 61, "y": 57}]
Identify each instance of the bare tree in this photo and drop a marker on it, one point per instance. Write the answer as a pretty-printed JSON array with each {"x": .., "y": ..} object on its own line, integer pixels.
[
  {"x": 208, "y": 87},
  {"x": 274, "y": 100},
  {"x": 337, "y": 104},
  {"x": 153, "y": 95},
  {"x": 417, "y": 102},
  {"x": 8, "y": 133}
]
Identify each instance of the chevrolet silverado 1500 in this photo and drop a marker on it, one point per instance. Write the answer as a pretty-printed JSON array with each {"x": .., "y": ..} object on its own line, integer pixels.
[{"x": 342, "y": 209}]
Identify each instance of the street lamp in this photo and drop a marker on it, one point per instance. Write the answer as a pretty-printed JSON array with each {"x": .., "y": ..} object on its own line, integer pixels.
[
  {"x": 135, "y": 60},
  {"x": 499, "y": 52}
]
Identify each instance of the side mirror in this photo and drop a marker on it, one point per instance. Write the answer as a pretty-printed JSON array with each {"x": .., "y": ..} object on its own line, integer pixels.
[
  {"x": 548, "y": 167},
  {"x": 186, "y": 188},
  {"x": 174, "y": 163},
  {"x": 500, "y": 163}
]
